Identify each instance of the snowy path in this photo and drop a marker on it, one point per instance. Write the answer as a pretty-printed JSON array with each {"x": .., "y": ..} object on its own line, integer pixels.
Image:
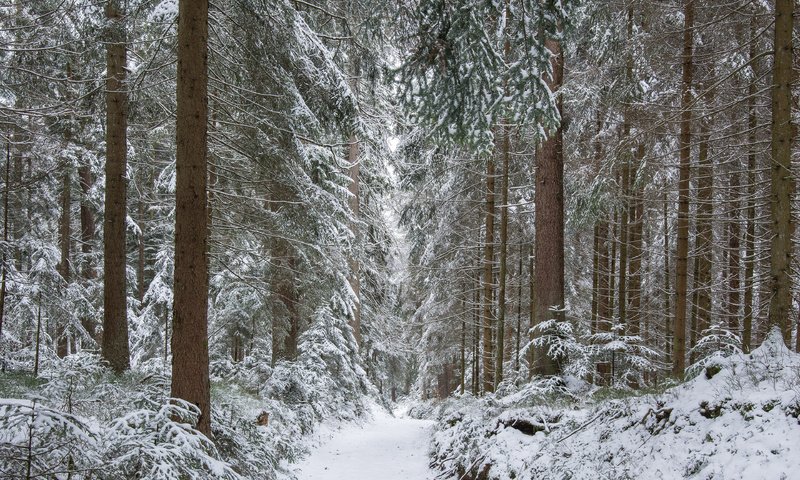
[{"x": 388, "y": 448}]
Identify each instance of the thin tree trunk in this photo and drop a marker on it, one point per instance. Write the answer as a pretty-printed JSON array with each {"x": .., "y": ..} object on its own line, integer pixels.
[
  {"x": 667, "y": 319},
  {"x": 636, "y": 239},
  {"x": 531, "y": 308},
  {"x": 782, "y": 184},
  {"x": 622, "y": 284},
  {"x": 38, "y": 334},
  {"x": 141, "y": 260},
  {"x": 86, "y": 181},
  {"x": 750, "y": 234},
  {"x": 734, "y": 260},
  {"x": 682, "y": 248},
  {"x": 190, "y": 380},
  {"x": 704, "y": 239},
  {"x": 605, "y": 273},
  {"x": 3, "y": 266},
  {"x": 355, "y": 209},
  {"x": 519, "y": 310},
  {"x": 693, "y": 311},
  {"x": 488, "y": 280},
  {"x": 627, "y": 187},
  {"x": 613, "y": 239},
  {"x": 476, "y": 335},
  {"x": 501, "y": 294},
  {"x": 463, "y": 353},
  {"x": 595, "y": 277},
  {"x": 88, "y": 271},
  {"x": 285, "y": 314},
  {"x": 64, "y": 268}
]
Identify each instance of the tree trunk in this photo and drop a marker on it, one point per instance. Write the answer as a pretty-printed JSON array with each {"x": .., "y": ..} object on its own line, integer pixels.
[
  {"x": 605, "y": 273},
  {"x": 86, "y": 180},
  {"x": 704, "y": 239},
  {"x": 141, "y": 259},
  {"x": 476, "y": 336},
  {"x": 488, "y": 281},
  {"x": 285, "y": 315},
  {"x": 734, "y": 260},
  {"x": 115, "y": 320},
  {"x": 531, "y": 307},
  {"x": 64, "y": 268},
  {"x": 595, "y": 277},
  {"x": 613, "y": 240},
  {"x": 501, "y": 293},
  {"x": 682, "y": 247},
  {"x": 782, "y": 184},
  {"x": 190, "y": 380},
  {"x": 38, "y": 334},
  {"x": 6, "y": 193},
  {"x": 750, "y": 234},
  {"x": 355, "y": 209},
  {"x": 622, "y": 285},
  {"x": 88, "y": 272},
  {"x": 667, "y": 320},
  {"x": 463, "y": 349},
  {"x": 518, "y": 332},
  {"x": 636, "y": 239},
  {"x": 549, "y": 203}
]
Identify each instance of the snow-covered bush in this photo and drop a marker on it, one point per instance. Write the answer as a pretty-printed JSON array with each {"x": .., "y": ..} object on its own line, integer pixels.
[
  {"x": 737, "y": 419},
  {"x": 82, "y": 423},
  {"x": 715, "y": 344},
  {"x": 326, "y": 377},
  {"x": 40, "y": 441},
  {"x": 159, "y": 443}
]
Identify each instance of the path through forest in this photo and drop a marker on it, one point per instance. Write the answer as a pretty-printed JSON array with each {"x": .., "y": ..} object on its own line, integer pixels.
[{"x": 387, "y": 448}]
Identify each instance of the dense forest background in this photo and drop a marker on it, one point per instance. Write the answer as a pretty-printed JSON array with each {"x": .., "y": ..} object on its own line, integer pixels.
[{"x": 420, "y": 198}]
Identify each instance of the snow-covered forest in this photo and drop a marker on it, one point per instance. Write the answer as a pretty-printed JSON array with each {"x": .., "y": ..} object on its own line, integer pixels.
[{"x": 406, "y": 239}]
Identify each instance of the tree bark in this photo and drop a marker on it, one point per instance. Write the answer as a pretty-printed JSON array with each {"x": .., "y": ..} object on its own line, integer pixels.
[
  {"x": 750, "y": 234},
  {"x": 476, "y": 335},
  {"x": 595, "y": 277},
  {"x": 782, "y": 184},
  {"x": 518, "y": 332},
  {"x": 141, "y": 257},
  {"x": 86, "y": 181},
  {"x": 704, "y": 239},
  {"x": 531, "y": 307},
  {"x": 463, "y": 351},
  {"x": 734, "y": 257},
  {"x": 115, "y": 309},
  {"x": 604, "y": 274},
  {"x": 285, "y": 314},
  {"x": 667, "y": 320},
  {"x": 549, "y": 204},
  {"x": 355, "y": 209},
  {"x": 622, "y": 285},
  {"x": 64, "y": 266},
  {"x": 6, "y": 194},
  {"x": 190, "y": 380},
  {"x": 488, "y": 280},
  {"x": 682, "y": 247},
  {"x": 501, "y": 293},
  {"x": 637, "y": 247}
]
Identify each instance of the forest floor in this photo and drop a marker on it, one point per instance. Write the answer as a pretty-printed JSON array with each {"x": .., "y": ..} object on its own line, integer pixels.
[{"x": 388, "y": 447}]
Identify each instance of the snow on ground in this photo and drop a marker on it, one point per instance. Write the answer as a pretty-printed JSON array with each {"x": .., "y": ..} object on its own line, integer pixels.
[
  {"x": 737, "y": 420},
  {"x": 388, "y": 448}
]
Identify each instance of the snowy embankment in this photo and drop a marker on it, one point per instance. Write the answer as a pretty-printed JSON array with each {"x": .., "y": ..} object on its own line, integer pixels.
[
  {"x": 738, "y": 419},
  {"x": 387, "y": 448}
]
